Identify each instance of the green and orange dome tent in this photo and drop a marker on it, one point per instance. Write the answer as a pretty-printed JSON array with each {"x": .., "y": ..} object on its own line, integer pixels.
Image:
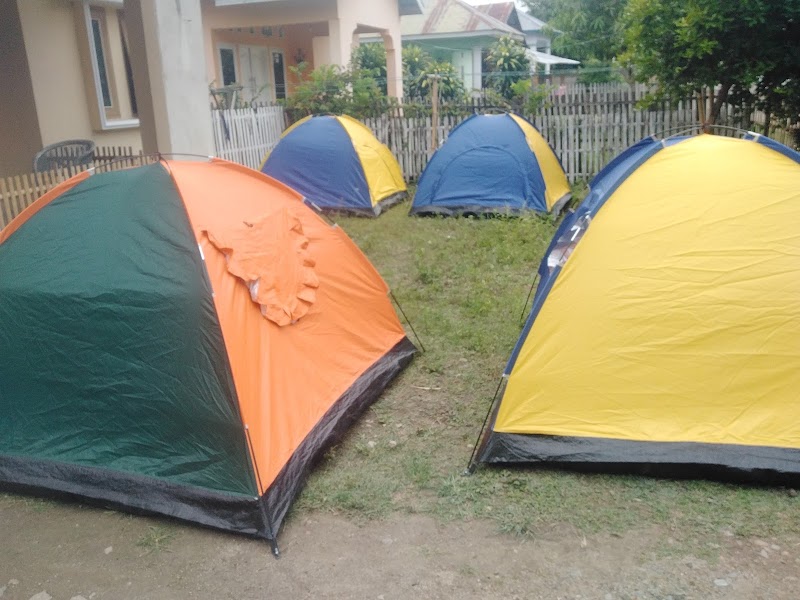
[{"x": 184, "y": 338}]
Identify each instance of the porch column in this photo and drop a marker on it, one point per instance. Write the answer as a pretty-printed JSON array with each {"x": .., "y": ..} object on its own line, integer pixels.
[
  {"x": 394, "y": 62},
  {"x": 340, "y": 42},
  {"x": 547, "y": 67},
  {"x": 169, "y": 73},
  {"x": 477, "y": 67}
]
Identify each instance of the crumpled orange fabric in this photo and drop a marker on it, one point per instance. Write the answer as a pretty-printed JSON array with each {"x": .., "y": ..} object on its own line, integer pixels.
[{"x": 270, "y": 254}]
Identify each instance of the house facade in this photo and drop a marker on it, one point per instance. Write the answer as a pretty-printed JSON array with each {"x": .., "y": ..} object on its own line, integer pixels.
[
  {"x": 51, "y": 53},
  {"x": 462, "y": 33},
  {"x": 255, "y": 43},
  {"x": 137, "y": 72},
  {"x": 459, "y": 33},
  {"x": 537, "y": 38}
]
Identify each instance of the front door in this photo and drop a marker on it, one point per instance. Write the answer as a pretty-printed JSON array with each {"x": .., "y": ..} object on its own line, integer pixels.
[{"x": 254, "y": 64}]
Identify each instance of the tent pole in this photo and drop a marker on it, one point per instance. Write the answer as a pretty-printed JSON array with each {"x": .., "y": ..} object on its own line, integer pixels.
[
  {"x": 472, "y": 465},
  {"x": 272, "y": 536},
  {"x": 528, "y": 299},
  {"x": 416, "y": 335}
]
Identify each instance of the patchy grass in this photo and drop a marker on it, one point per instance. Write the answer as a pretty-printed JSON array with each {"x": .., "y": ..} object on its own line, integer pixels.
[
  {"x": 157, "y": 539},
  {"x": 463, "y": 283}
]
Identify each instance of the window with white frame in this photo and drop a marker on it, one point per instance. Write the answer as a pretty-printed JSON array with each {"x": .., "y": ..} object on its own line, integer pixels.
[{"x": 107, "y": 65}]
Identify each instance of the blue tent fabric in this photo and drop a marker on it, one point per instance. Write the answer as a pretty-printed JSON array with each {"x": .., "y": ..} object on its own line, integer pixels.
[
  {"x": 342, "y": 175},
  {"x": 485, "y": 166}
]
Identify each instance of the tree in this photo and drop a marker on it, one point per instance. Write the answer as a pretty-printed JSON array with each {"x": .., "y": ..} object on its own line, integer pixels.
[
  {"x": 585, "y": 29},
  {"x": 744, "y": 50},
  {"x": 371, "y": 58},
  {"x": 508, "y": 63},
  {"x": 541, "y": 9},
  {"x": 329, "y": 89},
  {"x": 418, "y": 65}
]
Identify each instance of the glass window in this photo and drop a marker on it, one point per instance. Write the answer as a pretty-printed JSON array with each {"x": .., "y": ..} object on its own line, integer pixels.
[
  {"x": 100, "y": 59},
  {"x": 126, "y": 57},
  {"x": 227, "y": 60}
]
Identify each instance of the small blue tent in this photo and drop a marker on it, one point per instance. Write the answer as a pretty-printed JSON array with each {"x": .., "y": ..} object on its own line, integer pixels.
[
  {"x": 337, "y": 164},
  {"x": 492, "y": 164}
]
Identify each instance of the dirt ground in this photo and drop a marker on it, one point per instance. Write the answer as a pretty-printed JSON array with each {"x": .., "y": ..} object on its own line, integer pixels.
[{"x": 64, "y": 551}]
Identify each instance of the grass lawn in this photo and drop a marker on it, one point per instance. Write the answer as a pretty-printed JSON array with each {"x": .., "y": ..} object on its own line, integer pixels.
[{"x": 463, "y": 282}]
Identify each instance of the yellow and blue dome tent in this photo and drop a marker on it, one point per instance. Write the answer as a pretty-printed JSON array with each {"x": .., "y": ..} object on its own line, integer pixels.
[
  {"x": 492, "y": 164},
  {"x": 664, "y": 335},
  {"x": 337, "y": 164}
]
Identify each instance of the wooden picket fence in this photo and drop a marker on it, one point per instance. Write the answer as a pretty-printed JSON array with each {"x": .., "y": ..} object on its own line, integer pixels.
[
  {"x": 245, "y": 135},
  {"x": 20, "y": 191},
  {"x": 587, "y": 125}
]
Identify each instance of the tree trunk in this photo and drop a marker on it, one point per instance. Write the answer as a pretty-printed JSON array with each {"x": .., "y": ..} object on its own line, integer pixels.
[
  {"x": 720, "y": 99},
  {"x": 767, "y": 120}
]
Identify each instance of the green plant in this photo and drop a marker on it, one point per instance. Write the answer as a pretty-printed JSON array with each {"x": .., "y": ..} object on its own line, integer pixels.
[
  {"x": 416, "y": 62},
  {"x": 418, "y": 66},
  {"x": 529, "y": 99},
  {"x": 371, "y": 58},
  {"x": 508, "y": 63},
  {"x": 331, "y": 89},
  {"x": 451, "y": 86},
  {"x": 156, "y": 539},
  {"x": 593, "y": 70}
]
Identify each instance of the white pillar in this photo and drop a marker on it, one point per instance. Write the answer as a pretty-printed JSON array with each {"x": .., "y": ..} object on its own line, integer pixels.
[
  {"x": 477, "y": 67},
  {"x": 547, "y": 67},
  {"x": 394, "y": 63},
  {"x": 340, "y": 40},
  {"x": 169, "y": 70}
]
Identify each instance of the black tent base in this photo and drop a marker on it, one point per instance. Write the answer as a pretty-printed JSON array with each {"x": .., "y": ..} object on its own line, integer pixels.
[
  {"x": 733, "y": 463},
  {"x": 241, "y": 514},
  {"x": 130, "y": 493}
]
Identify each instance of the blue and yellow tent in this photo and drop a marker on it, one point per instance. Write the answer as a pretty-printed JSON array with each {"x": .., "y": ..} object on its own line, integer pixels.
[
  {"x": 337, "y": 165},
  {"x": 665, "y": 331},
  {"x": 492, "y": 164}
]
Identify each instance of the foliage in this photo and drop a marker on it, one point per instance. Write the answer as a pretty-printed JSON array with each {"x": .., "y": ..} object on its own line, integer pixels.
[
  {"x": 593, "y": 70},
  {"x": 745, "y": 50},
  {"x": 451, "y": 87},
  {"x": 418, "y": 65},
  {"x": 330, "y": 89},
  {"x": 529, "y": 99},
  {"x": 371, "y": 58},
  {"x": 508, "y": 63},
  {"x": 541, "y": 9},
  {"x": 584, "y": 29}
]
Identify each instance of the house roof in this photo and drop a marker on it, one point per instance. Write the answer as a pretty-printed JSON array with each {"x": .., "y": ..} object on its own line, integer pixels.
[
  {"x": 450, "y": 18},
  {"x": 410, "y": 7},
  {"x": 508, "y": 13},
  {"x": 405, "y": 7},
  {"x": 543, "y": 58}
]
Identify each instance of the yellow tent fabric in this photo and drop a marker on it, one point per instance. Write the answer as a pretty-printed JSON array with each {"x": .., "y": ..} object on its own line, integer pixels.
[
  {"x": 676, "y": 318},
  {"x": 381, "y": 169},
  {"x": 556, "y": 185}
]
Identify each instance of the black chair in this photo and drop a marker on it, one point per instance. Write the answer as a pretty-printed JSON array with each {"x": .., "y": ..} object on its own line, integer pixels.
[{"x": 64, "y": 154}]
